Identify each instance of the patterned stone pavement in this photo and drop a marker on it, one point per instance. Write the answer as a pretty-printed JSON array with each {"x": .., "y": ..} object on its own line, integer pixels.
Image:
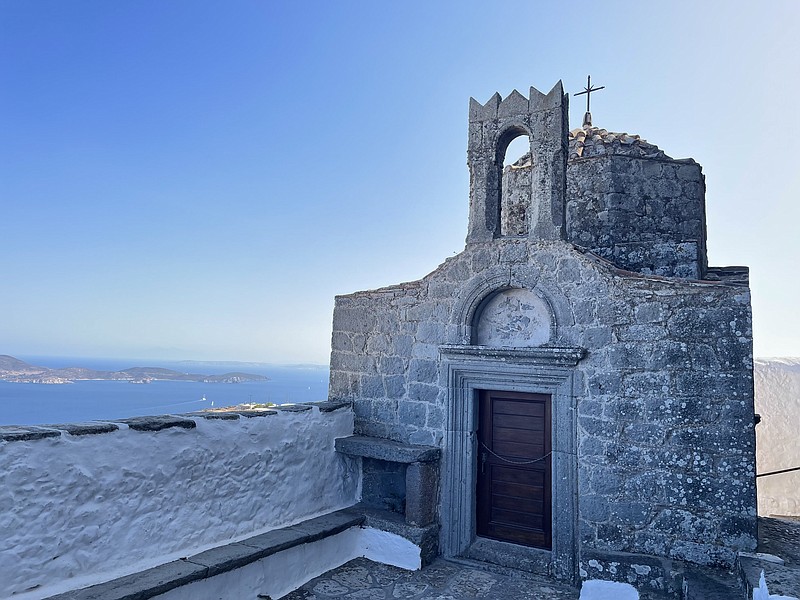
[{"x": 362, "y": 579}]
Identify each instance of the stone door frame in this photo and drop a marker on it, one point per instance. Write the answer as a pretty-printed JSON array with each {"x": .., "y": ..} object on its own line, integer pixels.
[{"x": 543, "y": 370}]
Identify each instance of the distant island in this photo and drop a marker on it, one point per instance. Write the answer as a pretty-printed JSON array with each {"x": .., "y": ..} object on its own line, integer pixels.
[{"x": 18, "y": 371}]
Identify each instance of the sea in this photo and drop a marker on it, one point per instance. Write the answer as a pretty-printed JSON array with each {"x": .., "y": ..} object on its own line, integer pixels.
[{"x": 40, "y": 404}]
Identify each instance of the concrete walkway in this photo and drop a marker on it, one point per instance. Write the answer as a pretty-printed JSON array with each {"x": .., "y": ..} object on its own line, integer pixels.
[{"x": 362, "y": 579}]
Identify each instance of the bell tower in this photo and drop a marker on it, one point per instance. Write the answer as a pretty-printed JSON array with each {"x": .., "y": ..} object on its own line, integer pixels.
[{"x": 543, "y": 118}]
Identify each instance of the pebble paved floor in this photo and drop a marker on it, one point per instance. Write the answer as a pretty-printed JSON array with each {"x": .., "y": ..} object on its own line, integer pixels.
[{"x": 362, "y": 579}]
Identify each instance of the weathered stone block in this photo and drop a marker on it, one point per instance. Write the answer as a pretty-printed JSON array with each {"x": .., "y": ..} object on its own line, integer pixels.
[
  {"x": 425, "y": 351},
  {"x": 600, "y": 428},
  {"x": 395, "y": 386},
  {"x": 650, "y": 434},
  {"x": 377, "y": 343},
  {"x": 425, "y": 437},
  {"x": 590, "y": 408},
  {"x": 422, "y": 392},
  {"x": 386, "y": 450},
  {"x": 402, "y": 345},
  {"x": 353, "y": 320},
  {"x": 594, "y": 508},
  {"x": 341, "y": 341},
  {"x": 157, "y": 423},
  {"x": 392, "y": 365},
  {"x": 435, "y": 418},
  {"x": 631, "y": 514},
  {"x": 414, "y": 413},
  {"x": 422, "y": 493},
  {"x": 430, "y": 332},
  {"x": 424, "y": 371},
  {"x": 669, "y": 355},
  {"x": 603, "y": 384},
  {"x": 372, "y": 386},
  {"x": 639, "y": 385},
  {"x": 642, "y": 333},
  {"x": 385, "y": 411}
]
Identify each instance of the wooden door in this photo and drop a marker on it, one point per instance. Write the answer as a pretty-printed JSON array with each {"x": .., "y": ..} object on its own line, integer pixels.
[{"x": 514, "y": 466}]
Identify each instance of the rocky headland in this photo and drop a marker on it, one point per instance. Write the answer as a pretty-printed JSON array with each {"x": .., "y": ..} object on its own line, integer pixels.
[{"x": 18, "y": 371}]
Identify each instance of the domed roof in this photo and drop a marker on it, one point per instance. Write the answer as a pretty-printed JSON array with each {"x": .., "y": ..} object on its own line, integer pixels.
[{"x": 590, "y": 141}]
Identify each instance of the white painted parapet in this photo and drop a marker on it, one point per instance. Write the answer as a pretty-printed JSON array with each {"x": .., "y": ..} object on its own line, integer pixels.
[{"x": 81, "y": 504}]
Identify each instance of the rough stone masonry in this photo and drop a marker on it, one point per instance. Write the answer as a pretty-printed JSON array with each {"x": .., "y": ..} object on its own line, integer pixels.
[{"x": 584, "y": 280}]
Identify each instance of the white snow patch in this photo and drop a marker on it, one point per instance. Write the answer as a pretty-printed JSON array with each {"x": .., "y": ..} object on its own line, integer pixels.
[
  {"x": 762, "y": 593},
  {"x": 598, "y": 589},
  {"x": 763, "y": 556},
  {"x": 281, "y": 573},
  {"x": 389, "y": 549}
]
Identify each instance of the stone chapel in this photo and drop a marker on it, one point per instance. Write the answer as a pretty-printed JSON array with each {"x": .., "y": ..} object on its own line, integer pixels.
[{"x": 573, "y": 392}]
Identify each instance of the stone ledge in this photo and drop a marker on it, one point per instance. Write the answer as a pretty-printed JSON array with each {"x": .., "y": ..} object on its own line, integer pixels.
[
  {"x": 330, "y": 405},
  {"x": 542, "y": 355},
  {"x": 163, "y": 578},
  {"x": 86, "y": 428},
  {"x": 157, "y": 423},
  {"x": 141, "y": 585},
  {"x": 388, "y": 450},
  {"x": 293, "y": 407},
  {"x": 211, "y": 416},
  {"x": 22, "y": 433},
  {"x": 254, "y": 413}
]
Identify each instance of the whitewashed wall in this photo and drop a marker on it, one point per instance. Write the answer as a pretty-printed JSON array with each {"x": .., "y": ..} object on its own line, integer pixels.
[
  {"x": 76, "y": 510},
  {"x": 281, "y": 573},
  {"x": 777, "y": 395}
]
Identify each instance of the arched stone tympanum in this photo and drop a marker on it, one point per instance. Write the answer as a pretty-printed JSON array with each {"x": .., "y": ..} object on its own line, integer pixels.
[{"x": 513, "y": 318}]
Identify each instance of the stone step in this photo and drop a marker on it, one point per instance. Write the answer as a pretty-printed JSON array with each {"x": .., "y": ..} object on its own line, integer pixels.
[
  {"x": 709, "y": 584},
  {"x": 427, "y": 538}
]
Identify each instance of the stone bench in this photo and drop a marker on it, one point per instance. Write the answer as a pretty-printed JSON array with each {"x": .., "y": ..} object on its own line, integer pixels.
[
  {"x": 163, "y": 578},
  {"x": 421, "y": 465}
]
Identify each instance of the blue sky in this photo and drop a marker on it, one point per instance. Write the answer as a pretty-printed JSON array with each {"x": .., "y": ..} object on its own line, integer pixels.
[{"x": 197, "y": 180}]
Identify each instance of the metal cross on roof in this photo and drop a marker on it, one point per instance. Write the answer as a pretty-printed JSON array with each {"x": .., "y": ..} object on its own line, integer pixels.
[{"x": 587, "y": 118}]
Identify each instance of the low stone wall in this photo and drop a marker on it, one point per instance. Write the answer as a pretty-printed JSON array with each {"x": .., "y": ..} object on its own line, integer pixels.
[{"x": 85, "y": 503}]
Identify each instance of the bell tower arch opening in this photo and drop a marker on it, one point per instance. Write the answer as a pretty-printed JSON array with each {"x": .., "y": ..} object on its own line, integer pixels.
[
  {"x": 536, "y": 210},
  {"x": 518, "y": 146},
  {"x": 515, "y": 179}
]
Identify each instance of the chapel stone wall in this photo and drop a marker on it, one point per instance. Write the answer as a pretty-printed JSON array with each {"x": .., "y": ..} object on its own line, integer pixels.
[
  {"x": 584, "y": 282},
  {"x": 642, "y": 214},
  {"x": 666, "y": 428},
  {"x": 664, "y": 404}
]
